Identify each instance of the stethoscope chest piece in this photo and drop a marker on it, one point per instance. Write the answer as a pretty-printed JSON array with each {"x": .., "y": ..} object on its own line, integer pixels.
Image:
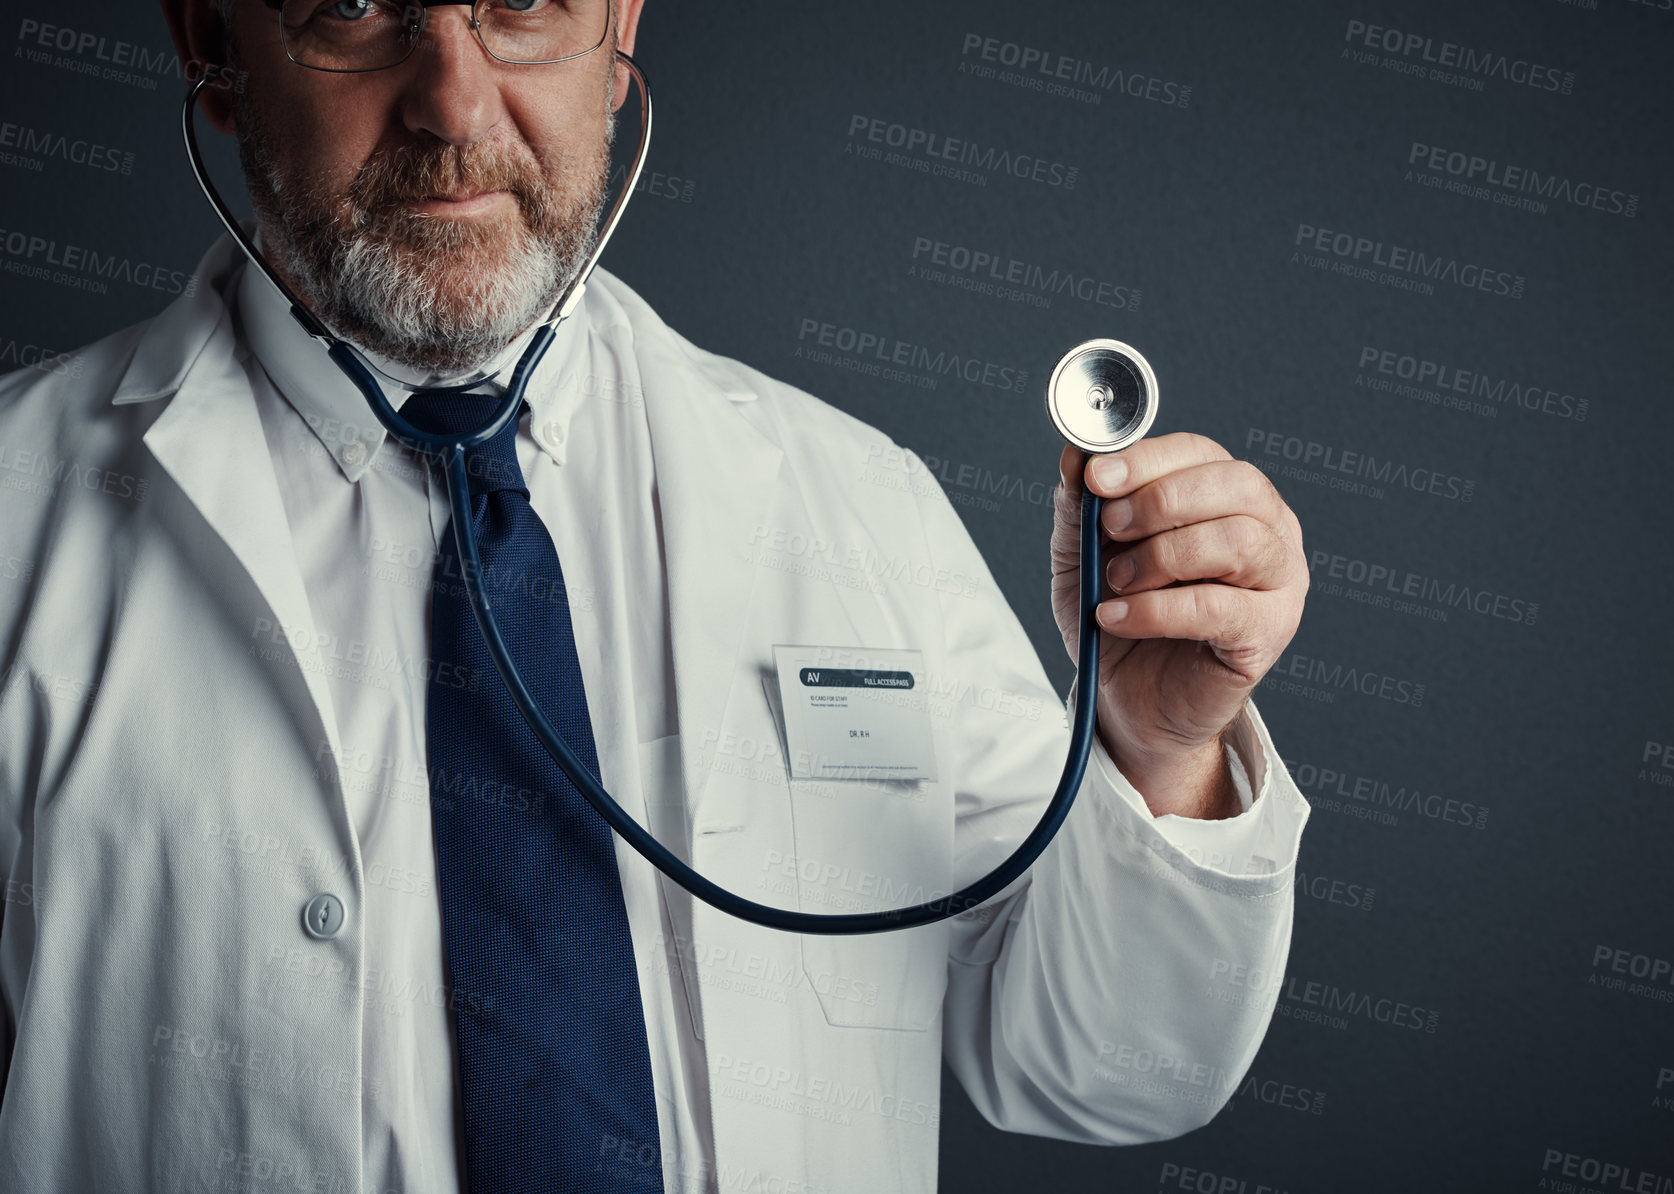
[{"x": 1102, "y": 396}]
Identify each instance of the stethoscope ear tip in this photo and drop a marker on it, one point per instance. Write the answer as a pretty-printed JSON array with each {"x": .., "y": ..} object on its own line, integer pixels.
[{"x": 1102, "y": 395}]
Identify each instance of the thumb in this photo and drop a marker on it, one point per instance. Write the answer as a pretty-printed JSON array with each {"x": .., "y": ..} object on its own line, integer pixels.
[
  {"x": 1072, "y": 466},
  {"x": 1066, "y": 511}
]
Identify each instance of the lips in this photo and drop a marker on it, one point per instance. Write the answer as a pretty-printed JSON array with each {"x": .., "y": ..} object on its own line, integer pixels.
[{"x": 460, "y": 203}]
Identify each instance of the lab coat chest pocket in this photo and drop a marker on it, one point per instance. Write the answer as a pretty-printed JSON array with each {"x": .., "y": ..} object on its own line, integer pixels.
[
  {"x": 828, "y": 847},
  {"x": 867, "y": 845}
]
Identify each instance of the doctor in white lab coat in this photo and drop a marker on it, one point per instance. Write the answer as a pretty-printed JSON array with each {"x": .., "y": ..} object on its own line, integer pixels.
[{"x": 213, "y": 596}]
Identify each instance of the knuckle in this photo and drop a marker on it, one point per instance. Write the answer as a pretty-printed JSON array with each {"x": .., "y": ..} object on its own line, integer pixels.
[
  {"x": 1256, "y": 480},
  {"x": 1221, "y": 610},
  {"x": 1212, "y": 448},
  {"x": 1247, "y": 537},
  {"x": 1275, "y": 500},
  {"x": 1212, "y": 605},
  {"x": 1163, "y": 500}
]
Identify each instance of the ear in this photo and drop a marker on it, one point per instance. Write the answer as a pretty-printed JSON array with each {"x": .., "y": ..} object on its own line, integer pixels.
[
  {"x": 626, "y": 29},
  {"x": 201, "y": 42}
]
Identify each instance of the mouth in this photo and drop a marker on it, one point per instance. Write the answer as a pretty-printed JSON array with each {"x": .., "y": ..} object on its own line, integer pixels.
[{"x": 460, "y": 203}]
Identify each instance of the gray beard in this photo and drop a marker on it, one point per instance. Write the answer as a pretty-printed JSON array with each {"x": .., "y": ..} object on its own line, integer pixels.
[{"x": 371, "y": 275}]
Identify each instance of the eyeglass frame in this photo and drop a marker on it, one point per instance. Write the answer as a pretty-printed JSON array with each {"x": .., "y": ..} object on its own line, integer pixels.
[{"x": 424, "y": 6}]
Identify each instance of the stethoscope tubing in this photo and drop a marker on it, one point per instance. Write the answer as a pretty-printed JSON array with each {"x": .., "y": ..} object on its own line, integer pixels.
[
  {"x": 792, "y": 921},
  {"x": 450, "y": 449}
]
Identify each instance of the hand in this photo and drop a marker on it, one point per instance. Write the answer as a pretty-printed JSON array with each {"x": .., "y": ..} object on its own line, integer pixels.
[{"x": 1205, "y": 563}]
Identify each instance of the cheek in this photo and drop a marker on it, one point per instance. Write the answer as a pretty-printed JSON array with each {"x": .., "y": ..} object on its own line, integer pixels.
[
  {"x": 567, "y": 125},
  {"x": 566, "y": 139},
  {"x": 322, "y": 139}
]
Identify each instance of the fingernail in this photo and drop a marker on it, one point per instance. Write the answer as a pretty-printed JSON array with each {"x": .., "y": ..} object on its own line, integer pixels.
[
  {"x": 1121, "y": 571},
  {"x": 1117, "y": 515},
  {"x": 1112, "y": 612},
  {"x": 1110, "y": 471}
]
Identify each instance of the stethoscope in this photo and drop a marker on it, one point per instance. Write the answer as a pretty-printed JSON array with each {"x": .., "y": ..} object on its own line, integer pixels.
[{"x": 1102, "y": 396}]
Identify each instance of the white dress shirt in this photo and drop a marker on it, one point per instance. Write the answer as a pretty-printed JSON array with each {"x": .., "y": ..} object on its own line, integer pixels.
[{"x": 367, "y": 520}]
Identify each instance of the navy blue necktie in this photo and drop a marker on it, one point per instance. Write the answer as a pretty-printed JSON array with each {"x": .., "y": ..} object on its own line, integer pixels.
[{"x": 554, "y": 1068}]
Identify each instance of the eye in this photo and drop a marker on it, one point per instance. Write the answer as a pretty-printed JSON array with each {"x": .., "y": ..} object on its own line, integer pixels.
[
  {"x": 355, "y": 12},
  {"x": 524, "y": 5}
]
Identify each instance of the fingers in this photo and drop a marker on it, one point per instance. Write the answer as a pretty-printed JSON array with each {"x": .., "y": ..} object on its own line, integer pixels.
[
  {"x": 1192, "y": 494},
  {"x": 1237, "y": 550},
  {"x": 1188, "y": 510},
  {"x": 1210, "y": 551},
  {"x": 1231, "y": 620},
  {"x": 1114, "y": 474}
]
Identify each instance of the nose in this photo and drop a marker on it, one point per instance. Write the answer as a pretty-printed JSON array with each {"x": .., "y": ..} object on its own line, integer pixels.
[{"x": 452, "y": 90}]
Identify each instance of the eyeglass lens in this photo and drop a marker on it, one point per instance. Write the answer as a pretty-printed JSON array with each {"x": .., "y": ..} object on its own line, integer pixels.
[{"x": 361, "y": 35}]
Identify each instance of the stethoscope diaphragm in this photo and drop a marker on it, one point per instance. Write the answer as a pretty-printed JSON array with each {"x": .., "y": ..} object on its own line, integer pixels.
[{"x": 1102, "y": 396}]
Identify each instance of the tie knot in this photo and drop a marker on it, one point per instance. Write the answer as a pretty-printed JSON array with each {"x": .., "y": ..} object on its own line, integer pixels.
[{"x": 490, "y": 467}]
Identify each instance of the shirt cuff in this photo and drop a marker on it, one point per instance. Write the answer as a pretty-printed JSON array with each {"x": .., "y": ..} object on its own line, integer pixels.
[{"x": 1262, "y": 839}]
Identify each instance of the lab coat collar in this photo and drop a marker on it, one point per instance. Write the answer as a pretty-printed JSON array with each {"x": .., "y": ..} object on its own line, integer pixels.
[
  {"x": 172, "y": 341},
  {"x": 716, "y": 472},
  {"x": 209, "y": 439},
  {"x": 333, "y": 407},
  {"x": 299, "y": 368}
]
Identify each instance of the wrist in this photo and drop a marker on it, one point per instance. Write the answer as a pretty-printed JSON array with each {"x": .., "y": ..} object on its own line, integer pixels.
[{"x": 1194, "y": 783}]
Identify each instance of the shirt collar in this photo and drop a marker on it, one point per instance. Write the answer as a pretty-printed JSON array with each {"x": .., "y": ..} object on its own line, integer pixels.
[{"x": 335, "y": 409}]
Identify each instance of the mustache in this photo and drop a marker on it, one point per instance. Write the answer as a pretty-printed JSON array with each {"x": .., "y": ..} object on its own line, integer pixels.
[{"x": 390, "y": 178}]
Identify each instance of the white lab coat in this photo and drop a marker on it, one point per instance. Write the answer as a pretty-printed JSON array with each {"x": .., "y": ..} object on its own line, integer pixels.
[{"x": 138, "y": 719}]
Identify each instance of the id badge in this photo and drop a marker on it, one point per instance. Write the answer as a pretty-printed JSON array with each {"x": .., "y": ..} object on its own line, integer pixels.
[{"x": 855, "y": 712}]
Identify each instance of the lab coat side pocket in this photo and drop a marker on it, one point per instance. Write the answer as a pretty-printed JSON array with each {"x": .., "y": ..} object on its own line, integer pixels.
[{"x": 863, "y": 846}]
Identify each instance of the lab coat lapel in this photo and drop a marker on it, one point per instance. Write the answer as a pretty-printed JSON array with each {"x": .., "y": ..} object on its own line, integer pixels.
[
  {"x": 210, "y": 441},
  {"x": 716, "y": 475}
]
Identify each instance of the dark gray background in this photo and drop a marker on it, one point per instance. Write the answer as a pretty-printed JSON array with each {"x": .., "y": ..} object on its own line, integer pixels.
[{"x": 760, "y": 218}]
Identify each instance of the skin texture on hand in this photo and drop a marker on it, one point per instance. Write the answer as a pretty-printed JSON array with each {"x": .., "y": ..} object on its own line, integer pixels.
[{"x": 1205, "y": 578}]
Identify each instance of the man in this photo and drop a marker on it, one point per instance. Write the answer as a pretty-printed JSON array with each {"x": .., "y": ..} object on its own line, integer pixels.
[{"x": 250, "y": 939}]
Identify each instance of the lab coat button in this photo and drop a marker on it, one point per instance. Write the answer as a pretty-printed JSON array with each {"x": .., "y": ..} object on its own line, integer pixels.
[
  {"x": 553, "y": 433},
  {"x": 323, "y": 915},
  {"x": 354, "y": 453}
]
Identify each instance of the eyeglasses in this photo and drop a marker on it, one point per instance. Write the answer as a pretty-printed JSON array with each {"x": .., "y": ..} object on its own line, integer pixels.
[{"x": 349, "y": 36}]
